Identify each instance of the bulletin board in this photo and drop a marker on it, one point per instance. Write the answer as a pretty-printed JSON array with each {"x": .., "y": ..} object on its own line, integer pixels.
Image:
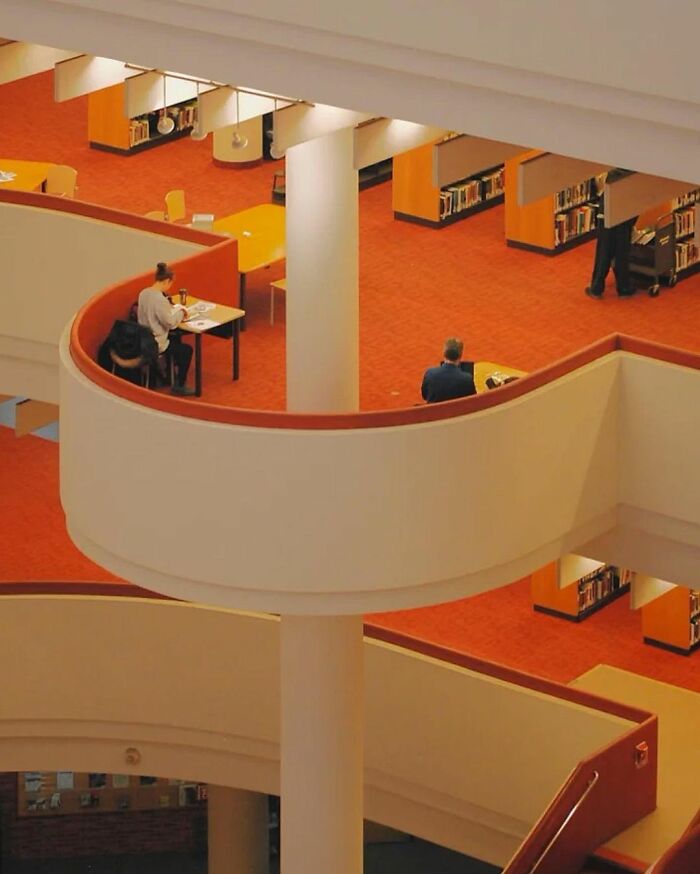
[{"x": 55, "y": 793}]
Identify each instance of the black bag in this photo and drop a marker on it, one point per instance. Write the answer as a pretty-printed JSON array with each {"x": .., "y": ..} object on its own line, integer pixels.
[{"x": 131, "y": 340}]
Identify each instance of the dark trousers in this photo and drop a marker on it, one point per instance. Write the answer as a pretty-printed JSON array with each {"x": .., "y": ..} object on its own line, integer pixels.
[
  {"x": 181, "y": 355},
  {"x": 612, "y": 248}
]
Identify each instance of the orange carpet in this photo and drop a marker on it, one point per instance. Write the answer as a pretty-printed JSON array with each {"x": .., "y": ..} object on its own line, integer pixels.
[{"x": 417, "y": 286}]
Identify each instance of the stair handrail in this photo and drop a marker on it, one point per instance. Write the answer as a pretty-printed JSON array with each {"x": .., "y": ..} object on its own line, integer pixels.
[{"x": 593, "y": 779}]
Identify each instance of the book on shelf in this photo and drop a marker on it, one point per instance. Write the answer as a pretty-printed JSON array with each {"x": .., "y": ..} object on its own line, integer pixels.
[
  {"x": 138, "y": 131},
  {"x": 685, "y": 222},
  {"x": 694, "y": 603},
  {"x": 694, "y": 630},
  {"x": 643, "y": 236},
  {"x": 470, "y": 192},
  {"x": 574, "y": 223},
  {"x": 686, "y": 254},
  {"x": 574, "y": 196},
  {"x": 597, "y": 585},
  {"x": 689, "y": 199}
]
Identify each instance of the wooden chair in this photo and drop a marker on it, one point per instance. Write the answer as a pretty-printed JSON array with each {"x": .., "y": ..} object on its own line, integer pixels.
[
  {"x": 279, "y": 187},
  {"x": 157, "y": 215},
  {"x": 61, "y": 180},
  {"x": 175, "y": 206},
  {"x": 132, "y": 364}
]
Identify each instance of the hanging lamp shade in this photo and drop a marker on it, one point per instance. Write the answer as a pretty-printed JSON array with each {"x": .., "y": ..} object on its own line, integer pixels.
[{"x": 165, "y": 125}]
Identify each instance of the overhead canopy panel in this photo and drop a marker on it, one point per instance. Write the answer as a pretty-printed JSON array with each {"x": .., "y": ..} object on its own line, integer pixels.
[
  {"x": 464, "y": 156},
  {"x": 220, "y": 107},
  {"x": 634, "y": 194},
  {"x": 383, "y": 138},
  {"x": 20, "y": 59},
  {"x": 646, "y": 589},
  {"x": 86, "y": 73},
  {"x": 548, "y": 173},
  {"x": 302, "y": 122},
  {"x": 145, "y": 92}
]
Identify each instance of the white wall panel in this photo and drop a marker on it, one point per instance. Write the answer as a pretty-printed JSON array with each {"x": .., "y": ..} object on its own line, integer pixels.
[
  {"x": 144, "y": 92},
  {"x": 494, "y": 757},
  {"x": 20, "y": 59},
  {"x": 219, "y": 108},
  {"x": 296, "y": 124},
  {"x": 466, "y": 155},
  {"x": 385, "y": 137},
  {"x": 86, "y": 73},
  {"x": 44, "y": 299},
  {"x": 645, "y": 589}
]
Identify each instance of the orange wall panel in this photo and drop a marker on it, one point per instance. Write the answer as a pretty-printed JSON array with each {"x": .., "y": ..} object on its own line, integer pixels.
[
  {"x": 533, "y": 223},
  {"x": 107, "y": 123},
  {"x": 667, "y": 618},
  {"x": 546, "y": 593},
  {"x": 412, "y": 190}
]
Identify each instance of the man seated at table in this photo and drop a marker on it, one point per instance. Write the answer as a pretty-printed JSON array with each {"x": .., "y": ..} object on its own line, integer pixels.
[
  {"x": 157, "y": 313},
  {"x": 451, "y": 379}
]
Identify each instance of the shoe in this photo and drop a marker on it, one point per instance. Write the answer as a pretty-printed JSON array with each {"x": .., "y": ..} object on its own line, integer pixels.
[
  {"x": 183, "y": 391},
  {"x": 591, "y": 293},
  {"x": 626, "y": 292}
]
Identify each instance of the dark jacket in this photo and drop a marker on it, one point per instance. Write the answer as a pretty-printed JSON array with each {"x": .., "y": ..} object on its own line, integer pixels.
[{"x": 448, "y": 381}]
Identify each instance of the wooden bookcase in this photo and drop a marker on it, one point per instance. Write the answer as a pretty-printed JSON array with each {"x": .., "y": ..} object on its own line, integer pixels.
[
  {"x": 579, "y": 599},
  {"x": 672, "y": 621},
  {"x": 551, "y": 224},
  {"x": 110, "y": 130},
  {"x": 415, "y": 198}
]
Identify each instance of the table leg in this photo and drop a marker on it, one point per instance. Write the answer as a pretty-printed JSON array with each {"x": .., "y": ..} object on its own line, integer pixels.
[
  {"x": 198, "y": 365},
  {"x": 236, "y": 330},
  {"x": 241, "y": 297},
  {"x": 272, "y": 304}
]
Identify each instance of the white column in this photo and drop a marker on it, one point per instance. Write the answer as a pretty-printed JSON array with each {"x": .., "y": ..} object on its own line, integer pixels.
[
  {"x": 322, "y": 275},
  {"x": 322, "y": 725},
  {"x": 237, "y": 831}
]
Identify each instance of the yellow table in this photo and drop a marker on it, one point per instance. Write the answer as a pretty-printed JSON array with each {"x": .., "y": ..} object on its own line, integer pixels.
[
  {"x": 260, "y": 232},
  {"x": 31, "y": 175},
  {"x": 201, "y": 324}
]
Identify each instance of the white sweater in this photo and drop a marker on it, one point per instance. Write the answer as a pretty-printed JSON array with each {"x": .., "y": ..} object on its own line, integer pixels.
[{"x": 157, "y": 314}]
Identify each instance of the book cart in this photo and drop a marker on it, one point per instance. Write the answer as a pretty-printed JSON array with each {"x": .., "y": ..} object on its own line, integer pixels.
[{"x": 667, "y": 250}]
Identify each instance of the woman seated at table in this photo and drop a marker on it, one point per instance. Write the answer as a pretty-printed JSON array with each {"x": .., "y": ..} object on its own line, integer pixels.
[{"x": 156, "y": 312}]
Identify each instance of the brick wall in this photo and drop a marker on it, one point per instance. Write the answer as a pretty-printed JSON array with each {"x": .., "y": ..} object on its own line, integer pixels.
[{"x": 130, "y": 831}]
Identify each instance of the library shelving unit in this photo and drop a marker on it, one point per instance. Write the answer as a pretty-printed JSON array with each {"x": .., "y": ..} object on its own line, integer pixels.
[
  {"x": 672, "y": 621},
  {"x": 111, "y": 131},
  {"x": 416, "y": 199},
  {"x": 552, "y": 224},
  {"x": 580, "y": 598}
]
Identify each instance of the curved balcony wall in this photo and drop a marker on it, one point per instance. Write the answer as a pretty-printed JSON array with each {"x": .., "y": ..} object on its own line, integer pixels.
[
  {"x": 61, "y": 252},
  {"x": 347, "y": 513},
  {"x": 196, "y": 692}
]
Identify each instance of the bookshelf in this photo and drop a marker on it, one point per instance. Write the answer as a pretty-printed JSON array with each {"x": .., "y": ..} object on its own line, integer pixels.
[
  {"x": 554, "y": 223},
  {"x": 672, "y": 621},
  {"x": 580, "y": 598},
  {"x": 111, "y": 131},
  {"x": 415, "y": 198}
]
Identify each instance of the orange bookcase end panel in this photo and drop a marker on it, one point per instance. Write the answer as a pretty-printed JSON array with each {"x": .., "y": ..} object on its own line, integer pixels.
[
  {"x": 107, "y": 123},
  {"x": 532, "y": 224},
  {"x": 547, "y": 595},
  {"x": 666, "y": 619},
  {"x": 413, "y": 193}
]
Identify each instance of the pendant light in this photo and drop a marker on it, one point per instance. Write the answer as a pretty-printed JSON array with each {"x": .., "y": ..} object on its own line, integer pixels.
[
  {"x": 165, "y": 125},
  {"x": 196, "y": 132},
  {"x": 238, "y": 140}
]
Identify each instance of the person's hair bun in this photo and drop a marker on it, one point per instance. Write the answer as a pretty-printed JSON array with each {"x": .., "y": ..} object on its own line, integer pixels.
[{"x": 161, "y": 265}]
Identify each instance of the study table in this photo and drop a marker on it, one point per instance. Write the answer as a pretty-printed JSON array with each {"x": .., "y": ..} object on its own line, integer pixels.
[
  {"x": 29, "y": 175},
  {"x": 209, "y": 321},
  {"x": 260, "y": 232}
]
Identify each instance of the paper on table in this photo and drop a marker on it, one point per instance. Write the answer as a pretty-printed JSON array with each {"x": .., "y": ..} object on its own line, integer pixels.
[
  {"x": 202, "y": 324},
  {"x": 64, "y": 779},
  {"x": 7, "y": 175}
]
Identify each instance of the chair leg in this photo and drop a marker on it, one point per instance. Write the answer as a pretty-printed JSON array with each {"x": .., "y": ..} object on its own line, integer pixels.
[{"x": 272, "y": 304}]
